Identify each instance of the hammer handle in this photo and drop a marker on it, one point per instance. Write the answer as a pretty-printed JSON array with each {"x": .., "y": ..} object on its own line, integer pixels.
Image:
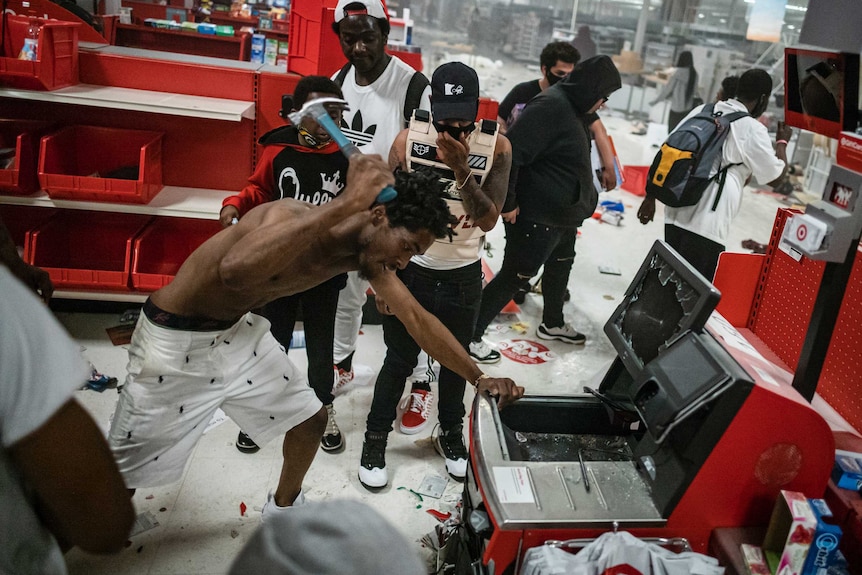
[{"x": 348, "y": 148}]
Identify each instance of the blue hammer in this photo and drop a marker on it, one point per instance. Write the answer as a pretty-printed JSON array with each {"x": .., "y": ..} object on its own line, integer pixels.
[{"x": 316, "y": 109}]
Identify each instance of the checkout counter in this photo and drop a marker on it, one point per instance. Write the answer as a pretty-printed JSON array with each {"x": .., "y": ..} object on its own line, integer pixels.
[{"x": 691, "y": 429}]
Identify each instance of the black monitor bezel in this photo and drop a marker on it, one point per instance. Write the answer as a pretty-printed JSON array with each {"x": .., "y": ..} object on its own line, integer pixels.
[{"x": 707, "y": 300}]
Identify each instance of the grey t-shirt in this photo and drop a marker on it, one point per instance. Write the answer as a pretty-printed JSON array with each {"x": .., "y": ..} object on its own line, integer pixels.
[{"x": 40, "y": 367}]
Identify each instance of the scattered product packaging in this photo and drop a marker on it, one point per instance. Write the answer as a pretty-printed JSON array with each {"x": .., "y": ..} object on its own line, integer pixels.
[
  {"x": 847, "y": 472},
  {"x": 824, "y": 547},
  {"x": 755, "y": 562},
  {"x": 790, "y": 533}
]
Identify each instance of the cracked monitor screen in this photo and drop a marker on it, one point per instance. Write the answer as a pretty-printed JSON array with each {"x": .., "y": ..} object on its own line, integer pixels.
[{"x": 666, "y": 299}]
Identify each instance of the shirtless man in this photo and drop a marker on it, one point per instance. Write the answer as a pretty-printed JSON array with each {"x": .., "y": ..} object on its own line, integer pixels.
[{"x": 197, "y": 347}]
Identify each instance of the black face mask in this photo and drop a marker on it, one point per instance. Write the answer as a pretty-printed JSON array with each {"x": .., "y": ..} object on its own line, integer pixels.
[
  {"x": 454, "y": 131},
  {"x": 552, "y": 79}
]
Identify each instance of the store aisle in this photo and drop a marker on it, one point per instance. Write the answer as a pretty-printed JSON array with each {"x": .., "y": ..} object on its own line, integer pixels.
[{"x": 200, "y": 527}]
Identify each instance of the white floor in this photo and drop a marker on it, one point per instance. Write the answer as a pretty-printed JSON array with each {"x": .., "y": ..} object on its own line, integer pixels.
[{"x": 200, "y": 528}]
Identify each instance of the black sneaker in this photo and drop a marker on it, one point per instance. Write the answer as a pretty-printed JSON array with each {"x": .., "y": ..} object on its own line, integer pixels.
[
  {"x": 481, "y": 352},
  {"x": 564, "y": 333},
  {"x": 245, "y": 444},
  {"x": 331, "y": 440},
  {"x": 450, "y": 444},
  {"x": 520, "y": 296},
  {"x": 372, "y": 466}
]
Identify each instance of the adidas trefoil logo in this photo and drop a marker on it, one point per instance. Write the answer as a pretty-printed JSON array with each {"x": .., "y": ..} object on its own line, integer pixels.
[{"x": 355, "y": 131}]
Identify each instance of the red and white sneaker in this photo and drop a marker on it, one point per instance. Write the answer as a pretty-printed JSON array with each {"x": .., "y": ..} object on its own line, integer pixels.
[
  {"x": 341, "y": 379},
  {"x": 417, "y": 404}
]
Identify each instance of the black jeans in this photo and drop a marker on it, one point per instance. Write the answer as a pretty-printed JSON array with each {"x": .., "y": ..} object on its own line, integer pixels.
[
  {"x": 453, "y": 297},
  {"x": 700, "y": 252},
  {"x": 528, "y": 247},
  {"x": 318, "y": 319}
]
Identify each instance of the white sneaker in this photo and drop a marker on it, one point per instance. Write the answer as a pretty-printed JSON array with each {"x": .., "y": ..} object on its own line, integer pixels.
[
  {"x": 416, "y": 406},
  {"x": 451, "y": 446},
  {"x": 342, "y": 378},
  {"x": 564, "y": 333},
  {"x": 372, "y": 467},
  {"x": 271, "y": 507},
  {"x": 481, "y": 352}
]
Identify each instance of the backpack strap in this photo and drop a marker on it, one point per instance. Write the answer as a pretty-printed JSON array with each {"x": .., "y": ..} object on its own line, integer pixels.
[
  {"x": 415, "y": 89},
  {"x": 342, "y": 74},
  {"x": 722, "y": 172}
]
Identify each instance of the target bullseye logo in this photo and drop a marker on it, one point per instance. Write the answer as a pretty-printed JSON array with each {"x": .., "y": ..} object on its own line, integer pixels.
[{"x": 801, "y": 232}]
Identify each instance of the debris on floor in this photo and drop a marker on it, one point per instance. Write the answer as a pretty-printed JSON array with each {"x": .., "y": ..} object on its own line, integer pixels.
[
  {"x": 754, "y": 246},
  {"x": 639, "y": 128},
  {"x": 433, "y": 486},
  {"x": 99, "y": 381},
  {"x": 421, "y": 499},
  {"x": 120, "y": 334},
  {"x": 143, "y": 522},
  {"x": 439, "y": 515}
]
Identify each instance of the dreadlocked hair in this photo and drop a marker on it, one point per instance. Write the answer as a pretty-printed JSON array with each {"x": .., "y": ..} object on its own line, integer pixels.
[{"x": 419, "y": 204}]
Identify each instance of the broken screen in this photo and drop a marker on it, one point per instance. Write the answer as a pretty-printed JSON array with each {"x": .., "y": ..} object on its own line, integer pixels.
[{"x": 666, "y": 298}]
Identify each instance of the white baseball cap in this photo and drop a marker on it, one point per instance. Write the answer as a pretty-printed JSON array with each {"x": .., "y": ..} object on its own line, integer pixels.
[{"x": 373, "y": 8}]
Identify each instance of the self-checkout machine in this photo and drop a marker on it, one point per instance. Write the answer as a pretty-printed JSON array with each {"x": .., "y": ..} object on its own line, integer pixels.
[{"x": 690, "y": 429}]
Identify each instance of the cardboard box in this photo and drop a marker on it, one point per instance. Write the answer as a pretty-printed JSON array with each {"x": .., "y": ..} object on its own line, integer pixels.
[
  {"x": 790, "y": 533},
  {"x": 755, "y": 561},
  {"x": 628, "y": 62},
  {"x": 847, "y": 473},
  {"x": 824, "y": 547}
]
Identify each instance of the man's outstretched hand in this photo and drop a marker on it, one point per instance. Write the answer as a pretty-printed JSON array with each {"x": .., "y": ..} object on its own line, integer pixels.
[{"x": 502, "y": 388}]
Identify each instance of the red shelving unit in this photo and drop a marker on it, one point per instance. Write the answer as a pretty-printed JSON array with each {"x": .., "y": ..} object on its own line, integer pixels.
[{"x": 235, "y": 47}]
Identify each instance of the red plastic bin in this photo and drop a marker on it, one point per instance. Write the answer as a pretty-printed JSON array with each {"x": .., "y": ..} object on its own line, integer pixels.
[
  {"x": 488, "y": 108},
  {"x": 74, "y": 163},
  {"x": 161, "y": 248},
  {"x": 21, "y": 219},
  {"x": 635, "y": 179},
  {"x": 313, "y": 48},
  {"x": 20, "y": 179},
  {"x": 87, "y": 250},
  {"x": 57, "y": 63}
]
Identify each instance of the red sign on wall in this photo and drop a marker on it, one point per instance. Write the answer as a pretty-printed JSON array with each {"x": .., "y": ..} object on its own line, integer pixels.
[{"x": 849, "y": 153}]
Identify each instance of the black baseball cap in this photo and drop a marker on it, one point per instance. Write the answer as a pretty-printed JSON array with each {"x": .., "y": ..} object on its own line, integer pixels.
[{"x": 454, "y": 92}]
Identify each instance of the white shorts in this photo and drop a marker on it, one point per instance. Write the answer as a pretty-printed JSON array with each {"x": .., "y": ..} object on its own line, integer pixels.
[{"x": 176, "y": 381}]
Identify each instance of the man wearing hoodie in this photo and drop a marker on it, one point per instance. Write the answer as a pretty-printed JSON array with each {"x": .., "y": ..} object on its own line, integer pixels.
[
  {"x": 556, "y": 61},
  {"x": 551, "y": 192}
]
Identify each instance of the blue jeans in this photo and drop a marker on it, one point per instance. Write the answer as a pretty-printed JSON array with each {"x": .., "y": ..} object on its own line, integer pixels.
[
  {"x": 528, "y": 247},
  {"x": 453, "y": 297}
]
